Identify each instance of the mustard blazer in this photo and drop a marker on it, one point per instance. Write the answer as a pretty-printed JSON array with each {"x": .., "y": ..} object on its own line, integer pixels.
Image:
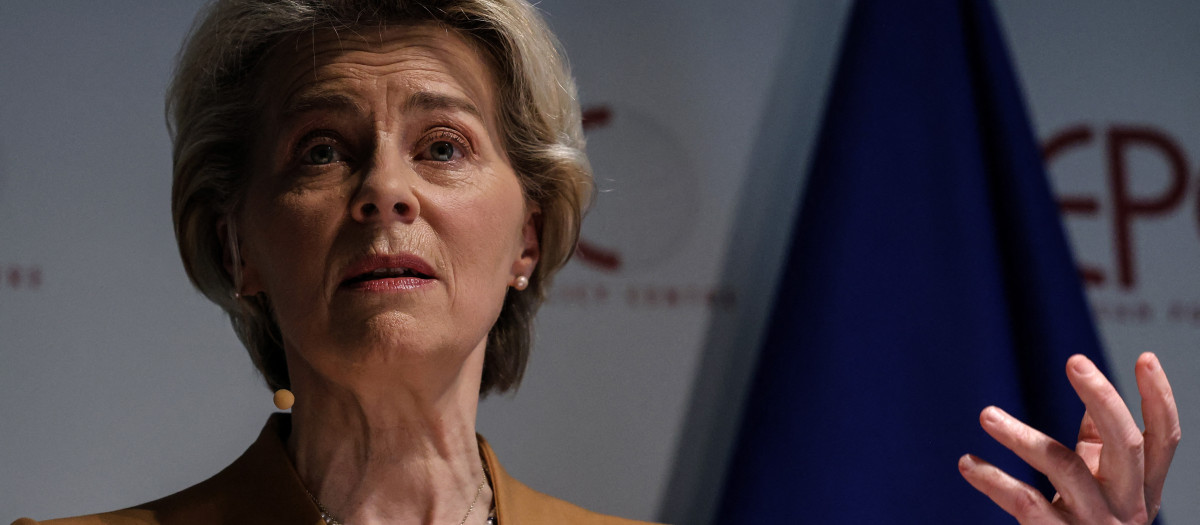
[{"x": 262, "y": 488}]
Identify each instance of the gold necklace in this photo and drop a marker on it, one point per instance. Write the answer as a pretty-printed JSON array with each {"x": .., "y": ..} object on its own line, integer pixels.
[{"x": 328, "y": 518}]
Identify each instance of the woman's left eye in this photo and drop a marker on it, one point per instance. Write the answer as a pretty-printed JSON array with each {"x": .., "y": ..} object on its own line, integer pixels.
[
  {"x": 444, "y": 144},
  {"x": 321, "y": 154},
  {"x": 443, "y": 151}
]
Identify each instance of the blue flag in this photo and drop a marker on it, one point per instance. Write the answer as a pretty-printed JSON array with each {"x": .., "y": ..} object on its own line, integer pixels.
[{"x": 929, "y": 277}]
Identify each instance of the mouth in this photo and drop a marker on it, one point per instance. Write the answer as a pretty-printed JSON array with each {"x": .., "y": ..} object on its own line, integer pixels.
[
  {"x": 385, "y": 273},
  {"x": 388, "y": 272}
]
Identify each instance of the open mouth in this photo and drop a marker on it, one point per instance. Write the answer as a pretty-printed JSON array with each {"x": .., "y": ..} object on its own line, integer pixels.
[{"x": 385, "y": 273}]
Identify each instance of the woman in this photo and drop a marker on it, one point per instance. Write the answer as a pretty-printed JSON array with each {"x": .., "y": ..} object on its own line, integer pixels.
[{"x": 378, "y": 193}]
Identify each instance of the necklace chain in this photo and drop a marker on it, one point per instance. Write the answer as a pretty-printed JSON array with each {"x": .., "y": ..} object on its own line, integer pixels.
[{"x": 328, "y": 518}]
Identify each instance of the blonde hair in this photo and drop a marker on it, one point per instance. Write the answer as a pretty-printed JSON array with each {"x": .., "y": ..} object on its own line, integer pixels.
[{"x": 211, "y": 114}]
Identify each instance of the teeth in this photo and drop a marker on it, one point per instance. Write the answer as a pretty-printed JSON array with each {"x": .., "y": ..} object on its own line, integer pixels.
[{"x": 391, "y": 272}]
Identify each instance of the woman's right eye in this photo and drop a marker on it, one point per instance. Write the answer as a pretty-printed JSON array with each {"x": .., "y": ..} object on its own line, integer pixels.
[{"x": 321, "y": 154}]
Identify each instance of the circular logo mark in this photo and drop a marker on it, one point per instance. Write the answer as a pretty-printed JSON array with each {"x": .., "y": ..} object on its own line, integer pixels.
[{"x": 648, "y": 193}]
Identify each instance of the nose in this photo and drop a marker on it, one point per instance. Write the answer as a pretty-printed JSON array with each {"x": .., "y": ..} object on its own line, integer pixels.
[{"x": 386, "y": 193}]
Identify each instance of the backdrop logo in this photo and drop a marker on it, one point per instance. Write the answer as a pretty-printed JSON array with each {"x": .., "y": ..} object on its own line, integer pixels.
[
  {"x": 648, "y": 192},
  {"x": 1142, "y": 193},
  {"x": 1126, "y": 207},
  {"x": 644, "y": 217},
  {"x": 591, "y": 254}
]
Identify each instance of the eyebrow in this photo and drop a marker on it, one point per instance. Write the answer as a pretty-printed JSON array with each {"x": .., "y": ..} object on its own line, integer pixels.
[
  {"x": 336, "y": 101},
  {"x": 430, "y": 101},
  {"x": 319, "y": 100}
]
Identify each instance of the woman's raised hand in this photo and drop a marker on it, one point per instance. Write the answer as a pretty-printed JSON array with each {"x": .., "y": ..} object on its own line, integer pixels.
[{"x": 1116, "y": 472}]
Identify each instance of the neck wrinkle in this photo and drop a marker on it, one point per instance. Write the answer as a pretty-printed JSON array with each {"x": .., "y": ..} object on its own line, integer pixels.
[{"x": 390, "y": 453}]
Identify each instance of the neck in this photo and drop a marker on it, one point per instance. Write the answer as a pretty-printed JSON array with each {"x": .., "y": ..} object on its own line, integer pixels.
[{"x": 387, "y": 450}]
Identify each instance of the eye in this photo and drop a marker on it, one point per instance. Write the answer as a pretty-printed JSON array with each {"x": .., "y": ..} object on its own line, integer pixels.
[
  {"x": 442, "y": 151},
  {"x": 321, "y": 154},
  {"x": 443, "y": 145}
]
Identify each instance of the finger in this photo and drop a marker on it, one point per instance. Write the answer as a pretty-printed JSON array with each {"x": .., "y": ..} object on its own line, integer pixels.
[
  {"x": 1121, "y": 470},
  {"x": 1162, "y": 425},
  {"x": 1066, "y": 470},
  {"x": 1021, "y": 501},
  {"x": 1089, "y": 445}
]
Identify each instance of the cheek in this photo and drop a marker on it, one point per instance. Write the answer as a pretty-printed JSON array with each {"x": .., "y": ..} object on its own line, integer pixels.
[
  {"x": 484, "y": 233},
  {"x": 482, "y": 249},
  {"x": 283, "y": 227}
]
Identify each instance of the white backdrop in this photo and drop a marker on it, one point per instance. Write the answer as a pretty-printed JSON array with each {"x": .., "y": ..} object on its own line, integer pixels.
[
  {"x": 1104, "y": 72},
  {"x": 122, "y": 384}
]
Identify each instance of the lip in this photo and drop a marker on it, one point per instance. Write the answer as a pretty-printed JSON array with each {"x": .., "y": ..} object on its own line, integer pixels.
[{"x": 352, "y": 276}]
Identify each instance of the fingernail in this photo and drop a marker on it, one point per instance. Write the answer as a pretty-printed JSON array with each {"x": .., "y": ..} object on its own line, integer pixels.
[
  {"x": 1152, "y": 363},
  {"x": 991, "y": 415},
  {"x": 1083, "y": 366},
  {"x": 966, "y": 462}
]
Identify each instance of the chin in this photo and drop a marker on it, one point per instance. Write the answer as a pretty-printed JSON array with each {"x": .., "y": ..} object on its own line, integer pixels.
[{"x": 397, "y": 336}]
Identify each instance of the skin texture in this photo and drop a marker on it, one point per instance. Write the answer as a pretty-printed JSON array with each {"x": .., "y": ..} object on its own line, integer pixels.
[
  {"x": 1115, "y": 474},
  {"x": 384, "y": 142}
]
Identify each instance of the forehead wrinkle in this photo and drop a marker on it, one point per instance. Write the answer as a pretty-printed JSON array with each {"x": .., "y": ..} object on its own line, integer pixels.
[
  {"x": 437, "y": 78},
  {"x": 326, "y": 46}
]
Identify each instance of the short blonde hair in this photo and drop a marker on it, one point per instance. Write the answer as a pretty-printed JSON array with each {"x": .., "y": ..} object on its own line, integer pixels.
[{"x": 211, "y": 114}]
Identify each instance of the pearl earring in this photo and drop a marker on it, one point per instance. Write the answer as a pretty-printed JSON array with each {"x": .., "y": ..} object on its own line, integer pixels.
[
  {"x": 284, "y": 399},
  {"x": 522, "y": 282}
]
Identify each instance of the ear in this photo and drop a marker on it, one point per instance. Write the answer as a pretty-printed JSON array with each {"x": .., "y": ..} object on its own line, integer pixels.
[
  {"x": 245, "y": 278},
  {"x": 531, "y": 249}
]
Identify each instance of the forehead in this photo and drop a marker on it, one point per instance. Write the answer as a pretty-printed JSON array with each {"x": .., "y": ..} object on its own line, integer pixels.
[{"x": 411, "y": 58}]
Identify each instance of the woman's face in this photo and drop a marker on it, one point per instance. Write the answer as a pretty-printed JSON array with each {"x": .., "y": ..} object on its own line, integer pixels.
[{"x": 383, "y": 220}]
